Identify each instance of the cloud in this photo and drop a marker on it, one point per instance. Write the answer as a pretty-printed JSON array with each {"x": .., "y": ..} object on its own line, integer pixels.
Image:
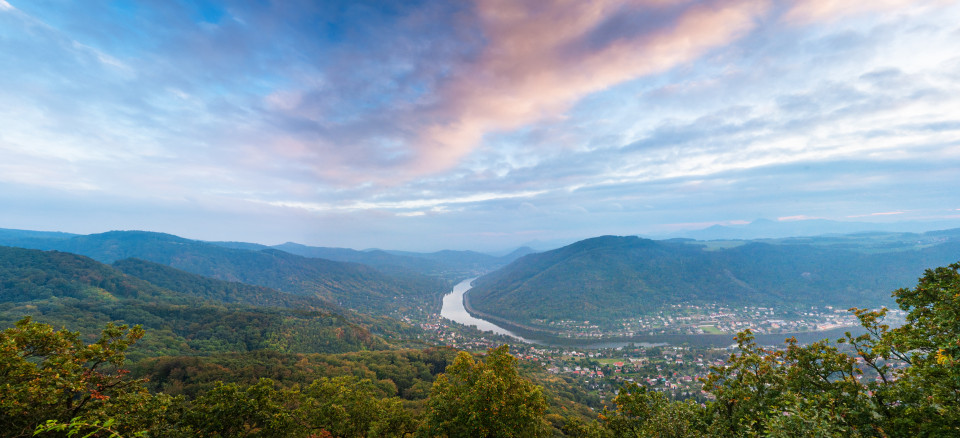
[
  {"x": 541, "y": 58},
  {"x": 4, "y": 6},
  {"x": 423, "y": 108},
  {"x": 882, "y": 213},
  {"x": 807, "y": 11},
  {"x": 404, "y": 204},
  {"x": 799, "y": 217},
  {"x": 501, "y": 118}
]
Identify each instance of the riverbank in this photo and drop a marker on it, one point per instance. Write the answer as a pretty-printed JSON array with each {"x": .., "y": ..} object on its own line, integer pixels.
[{"x": 532, "y": 335}]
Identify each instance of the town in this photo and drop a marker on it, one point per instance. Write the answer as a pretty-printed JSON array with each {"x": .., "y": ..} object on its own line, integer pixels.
[
  {"x": 690, "y": 319},
  {"x": 675, "y": 370}
]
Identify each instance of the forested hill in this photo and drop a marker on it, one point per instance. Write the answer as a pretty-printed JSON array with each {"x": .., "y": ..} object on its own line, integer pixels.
[
  {"x": 613, "y": 277},
  {"x": 350, "y": 285},
  {"x": 232, "y": 292},
  {"x": 82, "y": 294},
  {"x": 217, "y": 290}
]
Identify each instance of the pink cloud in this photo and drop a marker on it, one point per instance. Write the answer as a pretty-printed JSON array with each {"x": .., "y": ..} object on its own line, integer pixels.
[
  {"x": 531, "y": 69},
  {"x": 807, "y": 11},
  {"x": 538, "y": 59}
]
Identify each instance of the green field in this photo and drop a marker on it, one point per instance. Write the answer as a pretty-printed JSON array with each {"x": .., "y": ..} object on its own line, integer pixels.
[{"x": 711, "y": 330}]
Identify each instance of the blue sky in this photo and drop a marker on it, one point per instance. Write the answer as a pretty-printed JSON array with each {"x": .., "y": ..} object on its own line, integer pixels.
[{"x": 424, "y": 125}]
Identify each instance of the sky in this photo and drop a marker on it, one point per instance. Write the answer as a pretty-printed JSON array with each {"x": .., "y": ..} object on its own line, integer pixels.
[{"x": 424, "y": 125}]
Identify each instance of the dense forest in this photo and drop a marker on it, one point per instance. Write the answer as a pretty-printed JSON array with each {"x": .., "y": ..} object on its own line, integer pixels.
[
  {"x": 350, "y": 285},
  {"x": 610, "y": 277},
  {"x": 227, "y": 359},
  {"x": 191, "y": 315},
  {"x": 54, "y": 382}
]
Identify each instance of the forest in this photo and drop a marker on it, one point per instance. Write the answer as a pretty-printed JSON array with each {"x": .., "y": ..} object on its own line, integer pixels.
[
  {"x": 887, "y": 382},
  {"x": 607, "y": 278}
]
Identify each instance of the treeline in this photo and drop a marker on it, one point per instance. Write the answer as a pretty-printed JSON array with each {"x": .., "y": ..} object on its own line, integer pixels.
[{"x": 53, "y": 382}]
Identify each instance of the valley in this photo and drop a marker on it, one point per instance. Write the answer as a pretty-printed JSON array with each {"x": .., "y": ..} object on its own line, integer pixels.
[{"x": 216, "y": 312}]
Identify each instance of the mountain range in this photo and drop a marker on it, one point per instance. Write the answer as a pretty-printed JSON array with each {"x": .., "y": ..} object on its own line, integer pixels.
[
  {"x": 599, "y": 279},
  {"x": 350, "y": 285},
  {"x": 776, "y": 229},
  {"x": 184, "y": 313},
  {"x": 611, "y": 277}
]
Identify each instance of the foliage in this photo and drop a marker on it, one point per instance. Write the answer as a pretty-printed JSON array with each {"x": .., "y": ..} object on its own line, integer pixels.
[
  {"x": 342, "y": 407},
  {"x": 924, "y": 397},
  {"x": 641, "y": 412},
  {"x": 77, "y": 426},
  {"x": 485, "y": 399},
  {"x": 348, "y": 407},
  {"x": 405, "y": 373},
  {"x": 819, "y": 389},
  {"x": 48, "y": 374},
  {"x": 229, "y": 410}
]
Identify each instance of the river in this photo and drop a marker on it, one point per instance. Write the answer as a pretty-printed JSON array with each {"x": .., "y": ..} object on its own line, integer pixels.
[{"x": 454, "y": 310}]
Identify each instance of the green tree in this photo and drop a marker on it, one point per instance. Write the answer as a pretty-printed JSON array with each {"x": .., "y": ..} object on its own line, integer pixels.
[
  {"x": 348, "y": 407},
  {"x": 922, "y": 398},
  {"x": 646, "y": 413},
  {"x": 485, "y": 399},
  {"x": 817, "y": 390},
  {"x": 747, "y": 388},
  {"x": 230, "y": 410},
  {"x": 48, "y": 374}
]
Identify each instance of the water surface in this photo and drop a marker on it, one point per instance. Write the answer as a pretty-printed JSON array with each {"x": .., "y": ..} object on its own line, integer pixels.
[{"x": 453, "y": 310}]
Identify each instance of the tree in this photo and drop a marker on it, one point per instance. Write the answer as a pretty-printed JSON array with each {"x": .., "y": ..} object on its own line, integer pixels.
[
  {"x": 229, "y": 410},
  {"x": 349, "y": 407},
  {"x": 485, "y": 399},
  {"x": 922, "y": 398},
  {"x": 817, "y": 390},
  {"x": 641, "y": 412},
  {"x": 48, "y": 374}
]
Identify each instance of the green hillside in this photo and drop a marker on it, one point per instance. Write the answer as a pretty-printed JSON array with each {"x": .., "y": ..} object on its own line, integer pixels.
[
  {"x": 258, "y": 296},
  {"x": 217, "y": 290},
  {"x": 82, "y": 294},
  {"x": 610, "y": 277},
  {"x": 349, "y": 285}
]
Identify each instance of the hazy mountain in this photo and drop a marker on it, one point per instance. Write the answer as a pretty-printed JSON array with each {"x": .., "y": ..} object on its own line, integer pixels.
[
  {"x": 350, "y": 285},
  {"x": 31, "y": 239},
  {"x": 468, "y": 262},
  {"x": 450, "y": 265},
  {"x": 616, "y": 277},
  {"x": 769, "y": 229}
]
